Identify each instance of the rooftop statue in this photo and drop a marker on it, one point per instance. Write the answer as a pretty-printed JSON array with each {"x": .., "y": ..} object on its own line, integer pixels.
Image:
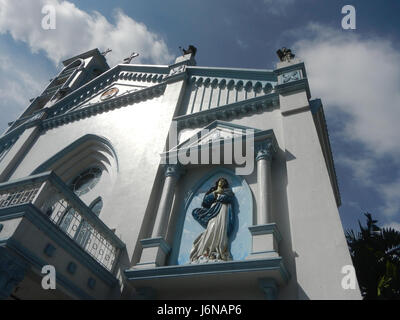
[
  {"x": 191, "y": 49},
  {"x": 285, "y": 54}
]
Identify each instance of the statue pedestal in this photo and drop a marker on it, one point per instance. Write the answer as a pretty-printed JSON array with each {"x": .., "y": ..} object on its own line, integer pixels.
[
  {"x": 155, "y": 251},
  {"x": 265, "y": 241}
]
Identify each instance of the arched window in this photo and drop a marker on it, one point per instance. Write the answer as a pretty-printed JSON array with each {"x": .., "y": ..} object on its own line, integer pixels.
[
  {"x": 81, "y": 184},
  {"x": 84, "y": 231},
  {"x": 86, "y": 180},
  {"x": 96, "y": 206}
]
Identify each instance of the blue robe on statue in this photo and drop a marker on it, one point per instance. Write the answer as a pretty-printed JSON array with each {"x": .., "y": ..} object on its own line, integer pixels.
[{"x": 216, "y": 216}]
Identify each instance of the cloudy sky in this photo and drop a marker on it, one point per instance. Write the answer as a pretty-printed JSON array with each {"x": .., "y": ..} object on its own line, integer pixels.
[{"x": 355, "y": 72}]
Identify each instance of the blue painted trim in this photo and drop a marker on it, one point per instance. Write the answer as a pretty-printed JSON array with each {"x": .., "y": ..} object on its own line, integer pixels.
[
  {"x": 116, "y": 102},
  {"x": 238, "y": 73},
  {"x": 192, "y": 193},
  {"x": 156, "y": 242},
  {"x": 270, "y": 228},
  {"x": 214, "y": 125},
  {"x": 39, "y": 263},
  {"x": 176, "y": 77},
  {"x": 207, "y": 269},
  {"x": 232, "y": 110},
  {"x": 47, "y": 164},
  {"x": 63, "y": 241},
  {"x": 292, "y": 67},
  {"x": 36, "y": 178},
  {"x": 259, "y": 137},
  {"x": 262, "y": 252},
  {"x": 296, "y": 85}
]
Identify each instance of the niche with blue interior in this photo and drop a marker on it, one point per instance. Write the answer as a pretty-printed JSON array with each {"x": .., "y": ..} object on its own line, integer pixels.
[{"x": 188, "y": 228}]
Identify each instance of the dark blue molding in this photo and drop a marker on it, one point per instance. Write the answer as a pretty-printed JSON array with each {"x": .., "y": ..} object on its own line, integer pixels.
[
  {"x": 230, "y": 111},
  {"x": 259, "y": 137},
  {"x": 38, "y": 263},
  {"x": 270, "y": 228},
  {"x": 317, "y": 111},
  {"x": 237, "y": 73},
  {"x": 296, "y": 85},
  {"x": 48, "y": 163},
  {"x": 36, "y": 178},
  {"x": 104, "y": 106},
  {"x": 88, "y": 90},
  {"x": 292, "y": 67},
  {"x": 156, "y": 242},
  {"x": 194, "y": 270}
]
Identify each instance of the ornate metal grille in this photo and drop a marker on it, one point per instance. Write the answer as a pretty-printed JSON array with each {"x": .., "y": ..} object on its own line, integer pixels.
[
  {"x": 18, "y": 195},
  {"x": 63, "y": 208},
  {"x": 71, "y": 221}
]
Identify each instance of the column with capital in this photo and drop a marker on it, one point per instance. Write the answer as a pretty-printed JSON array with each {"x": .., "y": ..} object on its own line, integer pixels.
[
  {"x": 156, "y": 249},
  {"x": 265, "y": 234},
  {"x": 264, "y": 152}
]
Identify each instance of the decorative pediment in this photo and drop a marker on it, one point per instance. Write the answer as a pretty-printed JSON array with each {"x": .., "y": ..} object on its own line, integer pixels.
[
  {"x": 216, "y": 131},
  {"x": 217, "y": 143},
  {"x": 126, "y": 78}
]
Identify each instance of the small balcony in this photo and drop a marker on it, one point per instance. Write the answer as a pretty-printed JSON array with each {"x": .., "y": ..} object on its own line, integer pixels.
[{"x": 40, "y": 212}]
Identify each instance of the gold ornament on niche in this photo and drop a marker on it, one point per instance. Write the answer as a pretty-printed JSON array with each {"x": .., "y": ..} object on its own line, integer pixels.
[{"x": 109, "y": 93}]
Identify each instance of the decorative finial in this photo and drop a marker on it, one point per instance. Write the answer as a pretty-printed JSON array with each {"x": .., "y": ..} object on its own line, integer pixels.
[
  {"x": 285, "y": 54},
  {"x": 191, "y": 49},
  {"x": 128, "y": 59},
  {"x": 107, "y": 51}
]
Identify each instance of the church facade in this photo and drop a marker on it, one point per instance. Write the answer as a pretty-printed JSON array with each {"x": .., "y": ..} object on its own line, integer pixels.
[{"x": 171, "y": 182}]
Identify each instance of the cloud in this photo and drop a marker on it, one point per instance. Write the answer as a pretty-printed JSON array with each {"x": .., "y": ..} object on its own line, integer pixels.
[
  {"x": 362, "y": 168},
  {"x": 278, "y": 7},
  {"x": 390, "y": 193},
  {"x": 359, "y": 78},
  {"x": 78, "y": 31},
  {"x": 17, "y": 87}
]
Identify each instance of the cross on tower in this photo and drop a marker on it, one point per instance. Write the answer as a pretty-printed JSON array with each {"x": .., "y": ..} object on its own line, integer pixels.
[
  {"x": 128, "y": 59},
  {"x": 107, "y": 51}
]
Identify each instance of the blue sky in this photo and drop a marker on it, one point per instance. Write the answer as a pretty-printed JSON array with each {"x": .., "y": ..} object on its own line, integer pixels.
[{"x": 356, "y": 73}]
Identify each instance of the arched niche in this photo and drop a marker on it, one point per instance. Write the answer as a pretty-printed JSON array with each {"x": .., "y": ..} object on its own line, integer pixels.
[
  {"x": 88, "y": 152},
  {"x": 188, "y": 228}
]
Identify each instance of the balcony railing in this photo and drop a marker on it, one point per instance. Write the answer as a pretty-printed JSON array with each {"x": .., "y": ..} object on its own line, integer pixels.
[{"x": 66, "y": 210}]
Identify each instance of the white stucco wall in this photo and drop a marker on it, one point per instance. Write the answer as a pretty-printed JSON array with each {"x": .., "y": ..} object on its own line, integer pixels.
[{"x": 313, "y": 247}]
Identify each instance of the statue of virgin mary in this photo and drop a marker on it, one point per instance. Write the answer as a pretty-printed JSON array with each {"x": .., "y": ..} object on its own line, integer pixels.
[{"x": 216, "y": 216}]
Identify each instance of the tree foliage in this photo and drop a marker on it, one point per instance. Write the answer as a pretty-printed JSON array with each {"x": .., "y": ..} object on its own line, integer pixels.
[{"x": 375, "y": 253}]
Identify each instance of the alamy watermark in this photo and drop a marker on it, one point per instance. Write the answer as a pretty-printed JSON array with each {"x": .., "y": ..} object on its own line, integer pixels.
[
  {"x": 49, "y": 20},
  {"x": 49, "y": 278},
  {"x": 349, "y": 280},
  {"x": 208, "y": 147},
  {"x": 349, "y": 20}
]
